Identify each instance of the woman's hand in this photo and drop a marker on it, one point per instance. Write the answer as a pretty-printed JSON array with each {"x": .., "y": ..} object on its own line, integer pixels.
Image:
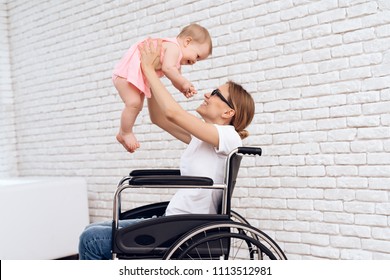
[{"x": 150, "y": 55}]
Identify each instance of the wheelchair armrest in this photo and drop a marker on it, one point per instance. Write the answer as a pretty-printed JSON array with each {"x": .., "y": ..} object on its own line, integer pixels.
[
  {"x": 154, "y": 181},
  {"x": 153, "y": 172},
  {"x": 171, "y": 180}
]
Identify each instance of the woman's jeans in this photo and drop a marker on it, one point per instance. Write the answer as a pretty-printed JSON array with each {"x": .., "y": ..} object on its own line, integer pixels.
[{"x": 96, "y": 240}]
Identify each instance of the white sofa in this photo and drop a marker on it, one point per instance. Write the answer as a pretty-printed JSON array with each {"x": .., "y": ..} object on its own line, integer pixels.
[{"x": 42, "y": 218}]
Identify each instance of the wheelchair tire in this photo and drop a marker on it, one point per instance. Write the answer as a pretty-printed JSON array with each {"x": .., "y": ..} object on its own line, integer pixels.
[{"x": 226, "y": 240}]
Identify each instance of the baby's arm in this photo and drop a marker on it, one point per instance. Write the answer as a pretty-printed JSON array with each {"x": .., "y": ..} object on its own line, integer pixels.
[{"x": 172, "y": 73}]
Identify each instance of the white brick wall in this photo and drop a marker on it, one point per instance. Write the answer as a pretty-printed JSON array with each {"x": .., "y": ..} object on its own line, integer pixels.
[
  {"x": 8, "y": 154},
  {"x": 319, "y": 71}
]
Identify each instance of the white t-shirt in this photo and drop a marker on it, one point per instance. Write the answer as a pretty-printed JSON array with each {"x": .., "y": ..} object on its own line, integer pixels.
[{"x": 202, "y": 159}]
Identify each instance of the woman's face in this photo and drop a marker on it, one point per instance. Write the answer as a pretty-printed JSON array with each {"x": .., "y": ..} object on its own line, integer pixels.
[{"x": 213, "y": 106}]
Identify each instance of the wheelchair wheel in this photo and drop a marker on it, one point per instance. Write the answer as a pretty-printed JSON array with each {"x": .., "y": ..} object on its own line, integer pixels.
[{"x": 228, "y": 241}]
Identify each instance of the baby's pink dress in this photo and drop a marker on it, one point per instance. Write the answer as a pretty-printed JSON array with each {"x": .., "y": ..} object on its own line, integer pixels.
[{"x": 129, "y": 67}]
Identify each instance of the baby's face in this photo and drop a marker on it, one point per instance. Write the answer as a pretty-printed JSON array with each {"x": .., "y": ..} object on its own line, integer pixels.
[{"x": 194, "y": 52}]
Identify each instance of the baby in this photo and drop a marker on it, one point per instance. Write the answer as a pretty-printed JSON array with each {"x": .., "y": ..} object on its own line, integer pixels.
[{"x": 191, "y": 45}]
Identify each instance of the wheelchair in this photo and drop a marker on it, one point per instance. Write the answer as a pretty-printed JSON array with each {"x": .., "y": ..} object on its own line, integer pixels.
[{"x": 223, "y": 236}]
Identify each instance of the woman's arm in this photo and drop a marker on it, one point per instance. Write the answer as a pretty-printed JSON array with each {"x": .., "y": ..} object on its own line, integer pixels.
[
  {"x": 169, "y": 108},
  {"x": 158, "y": 118}
]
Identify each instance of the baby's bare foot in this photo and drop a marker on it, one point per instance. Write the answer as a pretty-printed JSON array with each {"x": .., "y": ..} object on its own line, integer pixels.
[{"x": 128, "y": 141}]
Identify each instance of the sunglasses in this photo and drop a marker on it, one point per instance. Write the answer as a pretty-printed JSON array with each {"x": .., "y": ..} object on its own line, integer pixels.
[{"x": 219, "y": 94}]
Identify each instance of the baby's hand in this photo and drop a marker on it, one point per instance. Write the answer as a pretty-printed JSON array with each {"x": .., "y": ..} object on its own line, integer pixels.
[
  {"x": 188, "y": 90},
  {"x": 191, "y": 92}
]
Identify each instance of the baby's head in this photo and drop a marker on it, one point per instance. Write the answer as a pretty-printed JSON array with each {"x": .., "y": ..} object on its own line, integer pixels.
[{"x": 195, "y": 43}]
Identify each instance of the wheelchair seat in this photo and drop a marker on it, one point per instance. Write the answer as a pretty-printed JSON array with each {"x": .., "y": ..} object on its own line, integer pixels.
[{"x": 153, "y": 237}]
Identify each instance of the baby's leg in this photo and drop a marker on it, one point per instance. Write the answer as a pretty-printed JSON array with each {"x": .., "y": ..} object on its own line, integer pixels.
[{"x": 133, "y": 100}]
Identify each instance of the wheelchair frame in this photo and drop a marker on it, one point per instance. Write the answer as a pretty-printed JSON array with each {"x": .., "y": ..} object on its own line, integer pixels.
[{"x": 199, "y": 236}]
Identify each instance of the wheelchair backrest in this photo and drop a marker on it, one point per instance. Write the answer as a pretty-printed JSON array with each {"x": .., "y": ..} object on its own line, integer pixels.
[{"x": 233, "y": 167}]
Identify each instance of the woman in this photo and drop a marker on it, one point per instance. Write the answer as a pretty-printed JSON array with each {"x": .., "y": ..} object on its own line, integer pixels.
[{"x": 226, "y": 112}]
